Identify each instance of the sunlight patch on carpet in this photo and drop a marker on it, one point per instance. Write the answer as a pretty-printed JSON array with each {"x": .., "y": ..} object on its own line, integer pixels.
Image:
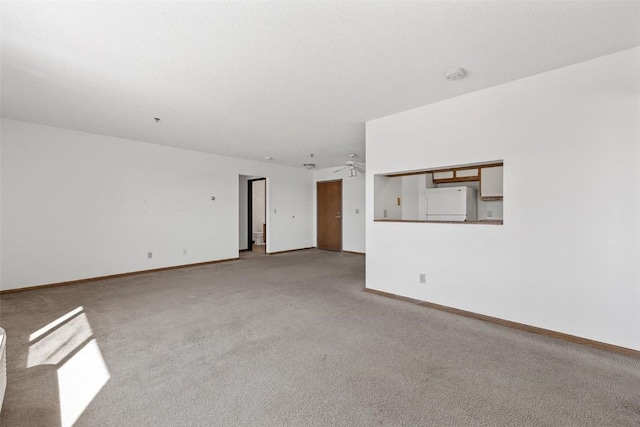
[
  {"x": 60, "y": 343},
  {"x": 40, "y": 332},
  {"x": 68, "y": 344},
  {"x": 80, "y": 380}
]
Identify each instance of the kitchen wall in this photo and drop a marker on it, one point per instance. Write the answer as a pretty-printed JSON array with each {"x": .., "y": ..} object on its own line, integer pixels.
[
  {"x": 353, "y": 228},
  {"x": 386, "y": 192},
  {"x": 413, "y": 201},
  {"x": 566, "y": 258},
  {"x": 77, "y": 205}
]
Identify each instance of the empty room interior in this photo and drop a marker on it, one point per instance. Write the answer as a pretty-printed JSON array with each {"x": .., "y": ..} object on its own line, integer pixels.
[{"x": 320, "y": 213}]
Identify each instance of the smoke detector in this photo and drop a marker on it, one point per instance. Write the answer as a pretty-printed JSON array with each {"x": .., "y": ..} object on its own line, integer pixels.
[
  {"x": 455, "y": 74},
  {"x": 309, "y": 165}
]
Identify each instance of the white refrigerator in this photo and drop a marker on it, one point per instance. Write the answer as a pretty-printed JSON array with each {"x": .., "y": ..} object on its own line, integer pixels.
[{"x": 452, "y": 204}]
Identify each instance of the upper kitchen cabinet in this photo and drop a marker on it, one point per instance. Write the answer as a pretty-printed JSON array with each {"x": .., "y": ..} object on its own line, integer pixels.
[
  {"x": 464, "y": 174},
  {"x": 491, "y": 183}
]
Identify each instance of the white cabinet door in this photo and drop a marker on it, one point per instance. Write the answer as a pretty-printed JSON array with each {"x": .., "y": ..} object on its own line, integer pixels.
[
  {"x": 491, "y": 182},
  {"x": 467, "y": 173},
  {"x": 443, "y": 175}
]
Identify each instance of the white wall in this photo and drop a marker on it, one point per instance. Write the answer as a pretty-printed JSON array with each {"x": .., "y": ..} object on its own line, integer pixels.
[
  {"x": 566, "y": 258},
  {"x": 353, "y": 229},
  {"x": 77, "y": 205}
]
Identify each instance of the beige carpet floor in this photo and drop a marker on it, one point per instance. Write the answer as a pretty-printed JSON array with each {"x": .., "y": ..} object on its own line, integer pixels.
[{"x": 289, "y": 339}]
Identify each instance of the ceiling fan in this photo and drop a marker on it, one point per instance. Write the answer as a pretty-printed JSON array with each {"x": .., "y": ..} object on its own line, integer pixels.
[{"x": 353, "y": 166}]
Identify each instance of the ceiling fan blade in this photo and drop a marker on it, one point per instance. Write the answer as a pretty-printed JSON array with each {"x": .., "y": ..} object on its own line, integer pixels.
[
  {"x": 338, "y": 170},
  {"x": 359, "y": 169}
]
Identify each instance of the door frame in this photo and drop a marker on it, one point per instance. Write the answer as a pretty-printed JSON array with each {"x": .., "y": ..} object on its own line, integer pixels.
[
  {"x": 250, "y": 210},
  {"x": 340, "y": 180}
]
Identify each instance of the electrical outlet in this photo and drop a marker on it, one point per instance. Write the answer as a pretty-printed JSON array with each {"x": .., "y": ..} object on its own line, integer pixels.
[
  {"x": 275, "y": 211},
  {"x": 357, "y": 211},
  {"x": 149, "y": 254},
  {"x": 384, "y": 213},
  {"x": 184, "y": 251},
  {"x": 489, "y": 214},
  {"x": 423, "y": 278}
]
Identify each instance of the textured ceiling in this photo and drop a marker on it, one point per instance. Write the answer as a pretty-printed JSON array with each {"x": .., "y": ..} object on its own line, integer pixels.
[{"x": 281, "y": 79}]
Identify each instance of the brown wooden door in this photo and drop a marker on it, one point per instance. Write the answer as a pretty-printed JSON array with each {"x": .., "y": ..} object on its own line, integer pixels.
[{"x": 329, "y": 204}]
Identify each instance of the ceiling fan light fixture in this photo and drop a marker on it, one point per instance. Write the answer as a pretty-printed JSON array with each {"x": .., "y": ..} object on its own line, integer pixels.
[
  {"x": 352, "y": 166},
  {"x": 309, "y": 165}
]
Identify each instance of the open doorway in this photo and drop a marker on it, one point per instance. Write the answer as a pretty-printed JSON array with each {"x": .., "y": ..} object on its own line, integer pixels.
[{"x": 257, "y": 215}]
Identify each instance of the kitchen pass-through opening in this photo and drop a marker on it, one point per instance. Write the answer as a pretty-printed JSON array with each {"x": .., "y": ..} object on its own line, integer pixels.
[{"x": 471, "y": 194}]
